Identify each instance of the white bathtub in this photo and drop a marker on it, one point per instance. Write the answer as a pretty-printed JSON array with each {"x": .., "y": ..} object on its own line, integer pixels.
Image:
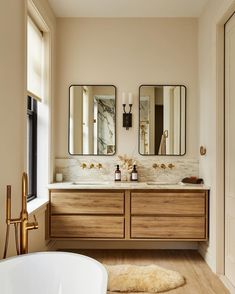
[{"x": 52, "y": 273}]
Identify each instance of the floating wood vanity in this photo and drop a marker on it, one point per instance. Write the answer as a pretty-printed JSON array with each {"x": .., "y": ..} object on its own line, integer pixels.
[{"x": 128, "y": 213}]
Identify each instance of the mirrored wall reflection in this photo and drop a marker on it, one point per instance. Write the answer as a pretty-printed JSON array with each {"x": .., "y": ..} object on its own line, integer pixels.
[
  {"x": 92, "y": 119},
  {"x": 162, "y": 120}
]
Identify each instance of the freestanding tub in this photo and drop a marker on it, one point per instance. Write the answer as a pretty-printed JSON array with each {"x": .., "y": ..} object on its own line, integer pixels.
[{"x": 52, "y": 273}]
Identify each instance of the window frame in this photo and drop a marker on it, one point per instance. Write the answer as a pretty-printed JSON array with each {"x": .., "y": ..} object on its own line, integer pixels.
[{"x": 32, "y": 132}]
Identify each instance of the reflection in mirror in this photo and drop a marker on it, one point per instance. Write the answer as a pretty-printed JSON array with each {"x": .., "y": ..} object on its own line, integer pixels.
[
  {"x": 92, "y": 119},
  {"x": 162, "y": 120}
]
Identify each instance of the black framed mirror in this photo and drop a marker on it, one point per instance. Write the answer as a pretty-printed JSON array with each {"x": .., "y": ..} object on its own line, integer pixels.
[
  {"x": 92, "y": 120},
  {"x": 162, "y": 120}
]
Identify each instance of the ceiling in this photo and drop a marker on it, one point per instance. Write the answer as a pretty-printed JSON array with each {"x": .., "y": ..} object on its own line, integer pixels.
[{"x": 127, "y": 8}]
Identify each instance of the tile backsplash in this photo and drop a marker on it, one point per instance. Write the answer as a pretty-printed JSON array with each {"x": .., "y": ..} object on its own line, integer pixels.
[{"x": 72, "y": 170}]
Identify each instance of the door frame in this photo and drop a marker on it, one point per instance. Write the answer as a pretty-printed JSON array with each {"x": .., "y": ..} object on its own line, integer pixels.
[{"x": 220, "y": 138}]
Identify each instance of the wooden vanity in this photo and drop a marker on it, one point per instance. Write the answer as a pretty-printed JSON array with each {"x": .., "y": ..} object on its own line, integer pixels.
[{"x": 129, "y": 214}]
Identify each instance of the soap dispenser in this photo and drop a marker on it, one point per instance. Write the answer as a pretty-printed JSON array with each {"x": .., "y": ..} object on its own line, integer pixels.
[
  {"x": 134, "y": 174},
  {"x": 117, "y": 175}
]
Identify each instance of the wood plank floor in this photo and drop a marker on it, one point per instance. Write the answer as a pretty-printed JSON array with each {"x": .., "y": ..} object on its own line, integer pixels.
[{"x": 199, "y": 278}]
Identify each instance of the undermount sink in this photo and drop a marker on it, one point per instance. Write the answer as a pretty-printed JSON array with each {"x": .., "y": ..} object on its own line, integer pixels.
[
  {"x": 161, "y": 183},
  {"x": 89, "y": 183}
]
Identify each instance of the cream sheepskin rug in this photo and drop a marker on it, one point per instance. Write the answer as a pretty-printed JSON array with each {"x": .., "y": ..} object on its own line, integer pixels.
[{"x": 150, "y": 278}]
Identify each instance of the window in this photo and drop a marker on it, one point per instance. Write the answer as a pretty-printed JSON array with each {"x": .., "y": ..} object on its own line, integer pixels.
[
  {"x": 34, "y": 89},
  {"x": 32, "y": 147},
  {"x": 34, "y": 60}
]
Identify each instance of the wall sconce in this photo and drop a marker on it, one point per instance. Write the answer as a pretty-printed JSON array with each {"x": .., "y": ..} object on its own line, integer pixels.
[{"x": 127, "y": 116}]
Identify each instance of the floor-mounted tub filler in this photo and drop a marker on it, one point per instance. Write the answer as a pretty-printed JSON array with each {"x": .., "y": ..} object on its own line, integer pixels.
[{"x": 52, "y": 273}]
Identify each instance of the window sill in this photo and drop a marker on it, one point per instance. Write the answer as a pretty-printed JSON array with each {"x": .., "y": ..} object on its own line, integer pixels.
[{"x": 36, "y": 205}]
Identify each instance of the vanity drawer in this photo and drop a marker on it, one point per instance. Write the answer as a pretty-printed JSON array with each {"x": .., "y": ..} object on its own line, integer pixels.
[
  {"x": 168, "y": 203},
  {"x": 87, "y": 203},
  {"x": 77, "y": 226},
  {"x": 168, "y": 227}
]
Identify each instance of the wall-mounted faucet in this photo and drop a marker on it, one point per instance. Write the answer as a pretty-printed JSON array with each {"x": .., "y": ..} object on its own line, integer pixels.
[
  {"x": 163, "y": 166},
  {"x": 171, "y": 165},
  {"x": 83, "y": 165},
  {"x": 99, "y": 165},
  {"x": 91, "y": 166},
  {"x": 155, "y": 165}
]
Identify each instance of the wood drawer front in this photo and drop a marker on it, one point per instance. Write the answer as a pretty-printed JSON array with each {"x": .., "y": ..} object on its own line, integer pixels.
[
  {"x": 77, "y": 226},
  {"x": 168, "y": 227},
  {"x": 87, "y": 203},
  {"x": 168, "y": 203}
]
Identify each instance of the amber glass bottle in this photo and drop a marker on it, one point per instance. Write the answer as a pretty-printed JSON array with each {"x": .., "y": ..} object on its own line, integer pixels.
[
  {"x": 134, "y": 174},
  {"x": 117, "y": 176}
]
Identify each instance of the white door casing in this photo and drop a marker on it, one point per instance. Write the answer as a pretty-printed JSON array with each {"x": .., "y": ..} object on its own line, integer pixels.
[{"x": 230, "y": 150}]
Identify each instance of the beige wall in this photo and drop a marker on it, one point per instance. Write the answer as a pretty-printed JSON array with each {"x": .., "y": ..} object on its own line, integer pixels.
[
  {"x": 211, "y": 119},
  {"x": 13, "y": 111},
  {"x": 12, "y": 87},
  {"x": 127, "y": 53}
]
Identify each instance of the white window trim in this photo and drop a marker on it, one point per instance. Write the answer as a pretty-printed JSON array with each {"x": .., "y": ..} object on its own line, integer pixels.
[
  {"x": 37, "y": 205},
  {"x": 42, "y": 196}
]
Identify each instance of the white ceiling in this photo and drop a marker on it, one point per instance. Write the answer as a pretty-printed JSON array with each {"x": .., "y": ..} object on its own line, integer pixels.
[{"x": 127, "y": 8}]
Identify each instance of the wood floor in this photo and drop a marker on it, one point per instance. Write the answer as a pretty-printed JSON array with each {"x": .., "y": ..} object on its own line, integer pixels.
[{"x": 199, "y": 278}]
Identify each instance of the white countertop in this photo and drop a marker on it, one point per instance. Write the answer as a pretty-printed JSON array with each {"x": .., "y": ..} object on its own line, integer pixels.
[{"x": 125, "y": 186}]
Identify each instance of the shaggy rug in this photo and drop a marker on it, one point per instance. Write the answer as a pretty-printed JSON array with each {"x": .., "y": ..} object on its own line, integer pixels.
[{"x": 150, "y": 278}]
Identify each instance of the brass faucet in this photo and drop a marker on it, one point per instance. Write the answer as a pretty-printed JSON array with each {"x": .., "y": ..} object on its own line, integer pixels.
[
  {"x": 25, "y": 225},
  {"x": 163, "y": 166},
  {"x": 99, "y": 165},
  {"x": 91, "y": 166},
  {"x": 171, "y": 165},
  {"x": 83, "y": 165},
  {"x": 155, "y": 165}
]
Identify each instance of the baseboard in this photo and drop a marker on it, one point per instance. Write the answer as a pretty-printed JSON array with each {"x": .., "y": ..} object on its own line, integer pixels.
[
  {"x": 204, "y": 251},
  {"x": 63, "y": 244},
  {"x": 227, "y": 284}
]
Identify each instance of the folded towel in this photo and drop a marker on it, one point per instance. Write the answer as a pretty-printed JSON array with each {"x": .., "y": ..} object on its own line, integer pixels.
[{"x": 192, "y": 180}]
